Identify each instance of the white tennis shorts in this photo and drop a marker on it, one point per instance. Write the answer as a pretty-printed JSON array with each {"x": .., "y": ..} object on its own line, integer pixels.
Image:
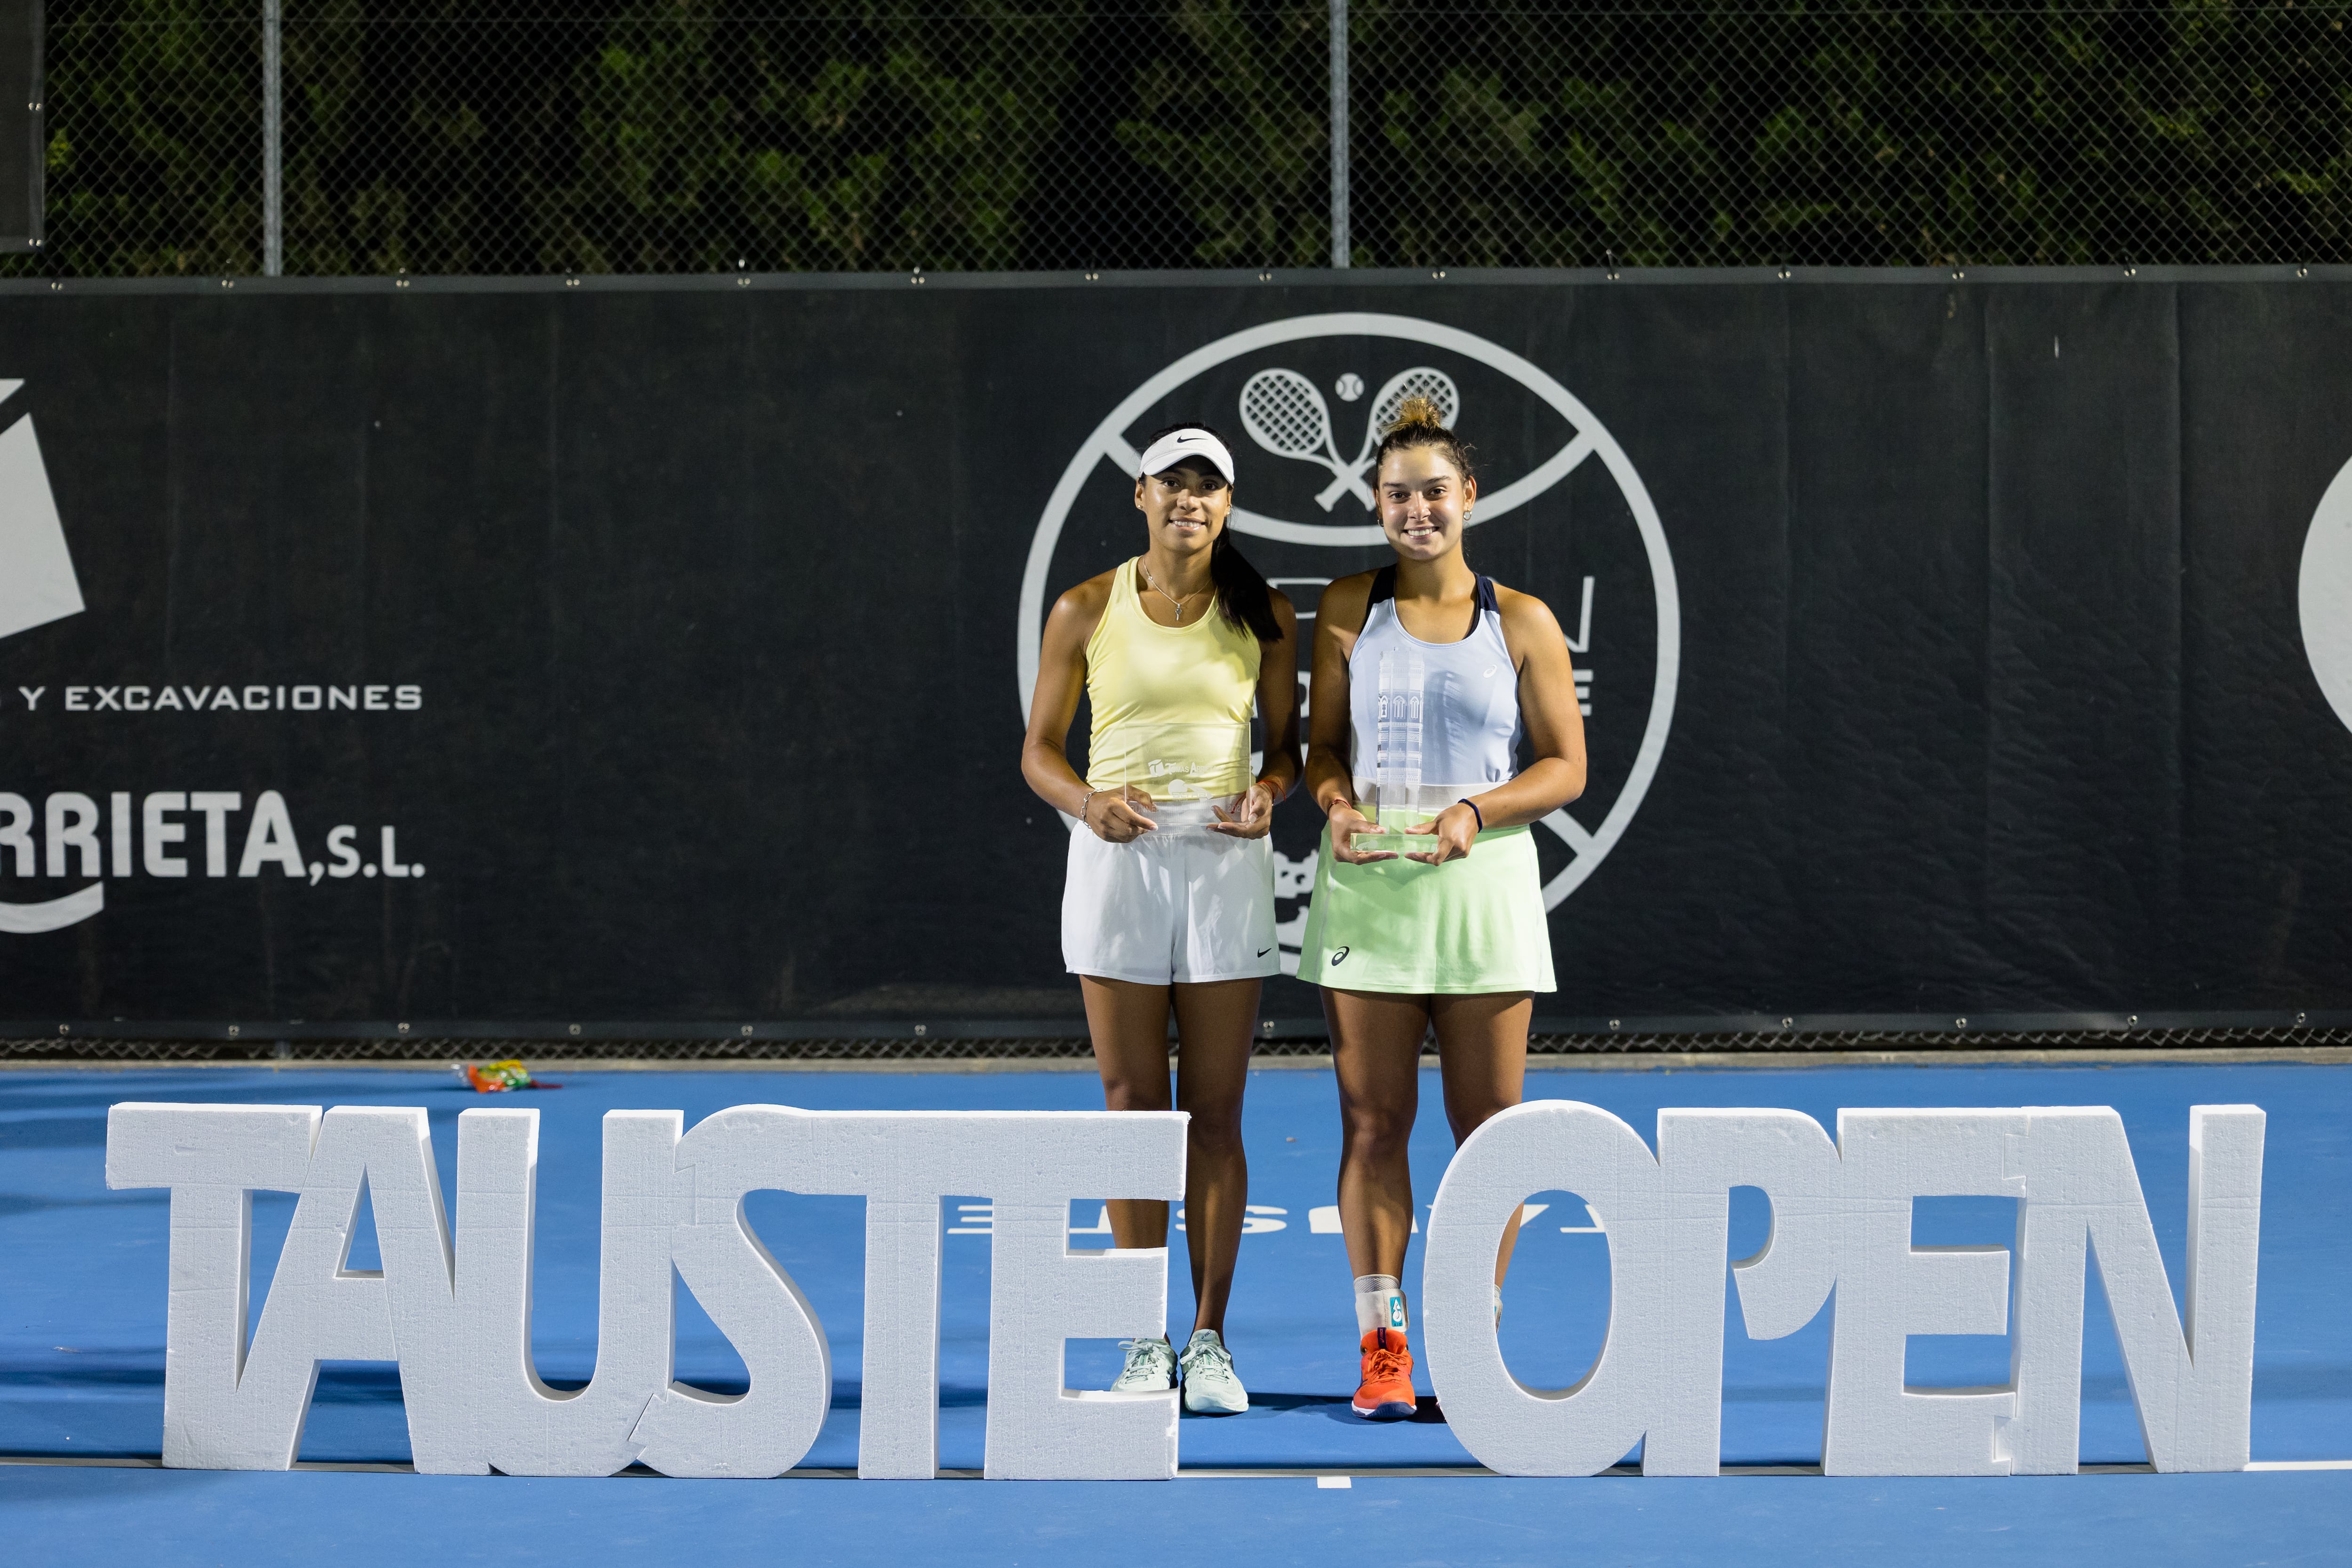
[{"x": 1177, "y": 904}]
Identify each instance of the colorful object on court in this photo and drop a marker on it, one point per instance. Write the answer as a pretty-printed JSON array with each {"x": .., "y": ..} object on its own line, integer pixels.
[{"x": 498, "y": 1077}]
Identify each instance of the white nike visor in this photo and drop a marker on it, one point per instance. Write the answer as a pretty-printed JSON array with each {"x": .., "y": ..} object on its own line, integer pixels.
[{"x": 1189, "y": 443}]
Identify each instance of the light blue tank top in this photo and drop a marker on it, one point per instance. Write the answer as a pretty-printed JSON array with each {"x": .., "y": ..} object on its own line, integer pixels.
[{"x": 1430, "y": 722}]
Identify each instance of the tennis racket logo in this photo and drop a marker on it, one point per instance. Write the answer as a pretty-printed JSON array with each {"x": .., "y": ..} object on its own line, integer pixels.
[{"x": 1284, "y": 414}]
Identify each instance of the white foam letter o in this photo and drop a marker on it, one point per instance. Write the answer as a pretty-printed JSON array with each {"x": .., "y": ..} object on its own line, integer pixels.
[{"x": 1546, "y": 1146}]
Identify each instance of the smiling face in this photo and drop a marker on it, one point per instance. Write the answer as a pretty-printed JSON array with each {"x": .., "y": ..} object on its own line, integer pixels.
[
  {"x": 1423, "y": 499},
  {"x": 1186, "y": 506}
]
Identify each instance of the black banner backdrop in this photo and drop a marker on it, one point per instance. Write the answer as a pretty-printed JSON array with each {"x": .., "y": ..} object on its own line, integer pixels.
[
  {"x": 656, "y": 652},
  {"x": 24, "y": 144}
]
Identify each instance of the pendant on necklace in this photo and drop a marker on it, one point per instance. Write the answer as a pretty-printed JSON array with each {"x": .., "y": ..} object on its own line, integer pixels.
[{"x": 1164, "y": 594}]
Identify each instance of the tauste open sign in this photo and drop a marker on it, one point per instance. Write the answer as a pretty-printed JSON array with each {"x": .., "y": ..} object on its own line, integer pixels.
[{"x": 452, "y": 1304}]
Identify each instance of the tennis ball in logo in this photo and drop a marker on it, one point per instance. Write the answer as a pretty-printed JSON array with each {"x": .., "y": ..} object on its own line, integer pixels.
[{"x": 1350, "y": 387}]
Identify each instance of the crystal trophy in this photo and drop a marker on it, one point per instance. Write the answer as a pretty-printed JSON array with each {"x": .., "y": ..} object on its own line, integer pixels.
[
  {"x": 1393, "y": 802},
  {"x": 1181, "y": 775}
]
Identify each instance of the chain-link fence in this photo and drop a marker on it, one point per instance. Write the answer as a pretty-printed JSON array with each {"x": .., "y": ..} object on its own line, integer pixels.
[
  {"x": 1843, "y": 134},
  {"x": 834, "y": 135},
  {"x": 1047, "y": 1047},
  {"x": 585, "y": 137}
]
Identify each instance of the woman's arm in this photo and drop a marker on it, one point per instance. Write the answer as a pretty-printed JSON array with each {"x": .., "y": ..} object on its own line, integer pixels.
[
  {"x": 1329, "y": 776},
  {"x": 1555, "y": 726},
  {"x": 1277, "y": 705},
  {"x": 1061, "y": 680}
]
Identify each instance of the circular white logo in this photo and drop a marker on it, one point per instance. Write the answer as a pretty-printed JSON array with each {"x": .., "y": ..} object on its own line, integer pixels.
[
  {"x": 1296, "y": 451},
  {"x": 2325, "y": 594}
]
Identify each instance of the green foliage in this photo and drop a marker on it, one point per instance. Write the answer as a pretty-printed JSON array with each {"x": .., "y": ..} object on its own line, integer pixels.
[
  {"x": 853, "y": 140},
  {"x": 155, "y": 168},
  {"x": 693, "y": 135},
  {"x": 1240, "y": 123},
  {"x": 420, "y": 136},
  {"x": 2185, "y": 131}
]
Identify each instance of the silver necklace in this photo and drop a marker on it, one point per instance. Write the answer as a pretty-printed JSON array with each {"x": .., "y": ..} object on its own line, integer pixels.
[{"x": 1164, "y": 594}]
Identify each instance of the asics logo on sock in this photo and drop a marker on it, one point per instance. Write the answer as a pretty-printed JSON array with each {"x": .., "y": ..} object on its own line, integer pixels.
[{"x": 1396, "y": 1312}]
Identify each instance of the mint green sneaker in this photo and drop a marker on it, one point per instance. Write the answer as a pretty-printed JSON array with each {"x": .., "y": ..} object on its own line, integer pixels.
[
  {"x": 1150, "y": 1368},
  {"x": 1210, "y": 1386}
]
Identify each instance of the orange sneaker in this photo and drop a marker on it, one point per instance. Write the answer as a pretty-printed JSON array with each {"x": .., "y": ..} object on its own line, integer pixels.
[{"x": 1386, "y": 1393}]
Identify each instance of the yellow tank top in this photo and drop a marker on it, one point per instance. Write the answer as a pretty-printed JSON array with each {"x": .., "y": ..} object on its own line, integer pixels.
[{"x": 1171, "y": 704}]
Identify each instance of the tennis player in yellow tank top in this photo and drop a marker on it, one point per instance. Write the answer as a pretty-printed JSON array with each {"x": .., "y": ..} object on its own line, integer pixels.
[{"x": 1169, "y": 901}]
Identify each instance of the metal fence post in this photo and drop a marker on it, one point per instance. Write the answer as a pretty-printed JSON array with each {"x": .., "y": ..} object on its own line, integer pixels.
[
  {"x": 1340, "y": 242},
  {"x": 273, "y": 216}
]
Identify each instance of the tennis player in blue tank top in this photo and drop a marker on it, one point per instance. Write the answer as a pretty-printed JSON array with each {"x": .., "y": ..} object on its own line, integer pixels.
[{"x": 1455, "y": 937}]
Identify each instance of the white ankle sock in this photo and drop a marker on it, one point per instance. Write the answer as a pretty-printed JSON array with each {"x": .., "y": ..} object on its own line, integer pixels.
[{"x": 1380, "y": 1304}]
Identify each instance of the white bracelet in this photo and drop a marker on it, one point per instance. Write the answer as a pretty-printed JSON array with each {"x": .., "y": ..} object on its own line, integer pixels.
[{"x": 1083, "y": 804}]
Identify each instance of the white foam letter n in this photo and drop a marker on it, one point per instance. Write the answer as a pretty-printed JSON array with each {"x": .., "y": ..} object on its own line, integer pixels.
[{"x": 2192, "y": 1382}]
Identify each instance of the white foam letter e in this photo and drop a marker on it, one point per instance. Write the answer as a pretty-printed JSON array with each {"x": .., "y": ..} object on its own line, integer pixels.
[
  {"x": 1044, "y": 1292},
  {"x": 1889, "y": 1290}
]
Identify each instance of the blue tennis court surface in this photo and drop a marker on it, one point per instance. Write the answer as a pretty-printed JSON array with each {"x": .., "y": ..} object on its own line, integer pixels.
[{"x": 82, "y": 1308}]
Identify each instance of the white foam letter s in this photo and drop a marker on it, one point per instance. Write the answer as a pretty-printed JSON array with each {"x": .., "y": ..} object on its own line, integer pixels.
[{"x": 763, "y": 1431}]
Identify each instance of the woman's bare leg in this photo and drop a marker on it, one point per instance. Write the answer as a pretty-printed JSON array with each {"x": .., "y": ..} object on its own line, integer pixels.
[
  {"x": 1214, "y": 1023},
  {"x": 1481, "y": 1049},
  {"x": 1129, "y": 1023},
  {"x": 1376, "y": 1055}
]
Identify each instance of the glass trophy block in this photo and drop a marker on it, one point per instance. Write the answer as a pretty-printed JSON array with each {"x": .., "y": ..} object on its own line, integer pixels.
[
  {"x": 1180, "y": 774},
  {"x": 1393, "y": 800},
  {"x": 1390, "y": 837}
]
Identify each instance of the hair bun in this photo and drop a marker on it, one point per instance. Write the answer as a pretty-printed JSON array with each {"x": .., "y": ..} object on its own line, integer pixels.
[
  {"x": 1421, "y": 421},
  {"x": 1420, "y": 412}
]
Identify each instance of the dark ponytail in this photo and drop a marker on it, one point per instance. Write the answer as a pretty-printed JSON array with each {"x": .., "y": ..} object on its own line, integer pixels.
[{"x": 1242, "y": 597}]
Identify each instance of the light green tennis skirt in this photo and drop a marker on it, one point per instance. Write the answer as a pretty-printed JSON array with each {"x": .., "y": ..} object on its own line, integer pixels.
[{"x": 1471, "y": 925}]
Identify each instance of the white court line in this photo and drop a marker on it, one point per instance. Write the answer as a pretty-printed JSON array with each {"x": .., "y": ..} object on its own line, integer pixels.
[
  {"x": 1322, "y": 1476},
  {"x": 2299, "y": 1465}
]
